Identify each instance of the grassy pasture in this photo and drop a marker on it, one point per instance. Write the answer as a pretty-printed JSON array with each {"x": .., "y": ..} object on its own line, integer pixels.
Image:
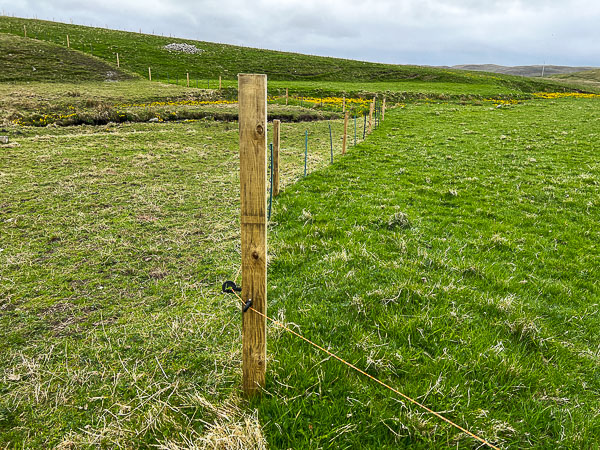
[
  {"x": 113, "y": 243},
  {"x": 453, "y": 254}
]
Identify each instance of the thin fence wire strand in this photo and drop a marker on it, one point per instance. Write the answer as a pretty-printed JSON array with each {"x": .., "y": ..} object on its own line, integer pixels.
[{"x": 352, "y": 366}]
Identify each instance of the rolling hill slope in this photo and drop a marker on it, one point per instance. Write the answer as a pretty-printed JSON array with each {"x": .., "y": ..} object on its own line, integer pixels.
[
  {"x": 587, "y": 77},
  {"x": 137, "y": 52},
  {"x": 523, "y": 71},
  {"x": 24, "y": 59}
]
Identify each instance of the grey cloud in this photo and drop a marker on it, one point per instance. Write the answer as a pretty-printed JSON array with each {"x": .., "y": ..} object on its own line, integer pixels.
[{"x": 449, "y": 32}]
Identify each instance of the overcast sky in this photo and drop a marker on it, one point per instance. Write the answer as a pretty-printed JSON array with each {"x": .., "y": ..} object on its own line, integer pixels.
[{"x": 434, "y": 32}]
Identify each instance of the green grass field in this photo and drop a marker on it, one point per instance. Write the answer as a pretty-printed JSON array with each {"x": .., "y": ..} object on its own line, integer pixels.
[{"x": 453, "y": 254}]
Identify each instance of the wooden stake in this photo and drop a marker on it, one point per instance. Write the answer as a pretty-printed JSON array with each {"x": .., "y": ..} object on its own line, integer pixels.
[
  {"x": 286, "y": 96},
  {"x": 68, "y": 42},
  {"x": 24, "y": 31},
  {"x": 383, "y": 110},
  {"x": 344, "y": 103},
  {"x": 345, "y": 133},
  {"x": 371, "y": 108},
  {"x": 252, "y": 93},
  {"x": 220, "y": 82},
  {"x": 276, "y": 126},
  {"x": 149, "y": 74},
  {"x": 118, "y": 63},
  {"x": 188, "y": 78}
]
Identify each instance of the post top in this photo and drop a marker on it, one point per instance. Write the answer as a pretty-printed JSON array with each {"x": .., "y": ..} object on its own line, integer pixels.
[{"x": 252, "y": 75}]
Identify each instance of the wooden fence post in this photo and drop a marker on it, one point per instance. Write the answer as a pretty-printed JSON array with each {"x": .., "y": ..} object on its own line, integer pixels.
[
  {"x": 371, "y": 108},
  {"x": 24, "y": 31},
  {"x": 220, "y": 85},
  {"x": 252, "y": 97},
  {"x": 286, "y": 96},
  {"x": 188, "y": 78},
  {"x": 68, "y": 42},
  {"x": 383, "y": 110},
  {"x": 345, "y": 132},
  {"x": 149, "y": 74},
  {"x": 344, "y": 104},
  {"x": 276, "y": 127},
  {"x": 118, "y": 63}
]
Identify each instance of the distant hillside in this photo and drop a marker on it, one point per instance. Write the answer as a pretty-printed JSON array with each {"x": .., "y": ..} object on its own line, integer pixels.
[
  {"x": 588, "y": 75},
  {"x": 24, "y": 59},
  {"x": 524, "y": 71},
  {"x": 137, "y": 52}
]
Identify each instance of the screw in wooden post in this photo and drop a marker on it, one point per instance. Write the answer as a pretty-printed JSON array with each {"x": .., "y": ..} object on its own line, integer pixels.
[
  {"x": 118, "y": 62},
  {"x": 276, "y": 140},
  {"x": 149, "y": 74},
  {"x": 188, "y": 78},
  {"x": 345, "y": 133},
  {"x": 383, "y": 110},
  {"x": 68, "y": 42},
  {"x": 252, "y": 97}
]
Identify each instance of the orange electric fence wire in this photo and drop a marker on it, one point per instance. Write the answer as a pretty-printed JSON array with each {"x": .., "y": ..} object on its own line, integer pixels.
[{"x": 406, "y": 397}]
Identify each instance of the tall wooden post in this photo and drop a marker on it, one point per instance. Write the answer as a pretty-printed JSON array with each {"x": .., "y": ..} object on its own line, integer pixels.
[
  {"x": 149, "y": 74},
  {"x": 68, "y": 42},
  {"x": 345, "y": 133},
  {"x": 188, "y": 78},
  {"x": 252, "y": 98},
  {"x": 118, "y": 63},
  {"x": 24, "y": 30},
  {"x": 344, "y": 104},
  {"x": 286, "y": 96},
  {"x": 220, "y": 86},
  {"x": 383, "y": 110},
  {"x": 276, "y": 126},
  {"x": 371, "y": 108}
]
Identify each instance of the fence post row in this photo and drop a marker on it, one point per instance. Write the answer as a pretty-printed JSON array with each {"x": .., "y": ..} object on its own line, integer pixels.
[
  {"x": 276, "y": 127},
  {"x": 345, "y": 133},
  {"x": 371, "y": 108},
  {"x": 305, "y": 150},
  {"x": 331, "y": 142},
  {"x": 252, "y": 98}
]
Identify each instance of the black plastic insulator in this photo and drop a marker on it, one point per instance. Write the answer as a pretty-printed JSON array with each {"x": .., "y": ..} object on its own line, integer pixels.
[{"x": 229, "y": 287}]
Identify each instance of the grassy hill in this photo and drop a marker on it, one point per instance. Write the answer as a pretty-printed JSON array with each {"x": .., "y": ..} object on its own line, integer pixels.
[
  {"x": 523, "y": 71},
  {"x": 24, "y": 59},
  {"x": 587, "y": 78},
  {"x": 137, "y": 52}
]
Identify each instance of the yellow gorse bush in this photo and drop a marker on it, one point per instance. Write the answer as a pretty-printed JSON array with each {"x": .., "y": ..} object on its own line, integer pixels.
[{"x": 554, "y": 95}]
